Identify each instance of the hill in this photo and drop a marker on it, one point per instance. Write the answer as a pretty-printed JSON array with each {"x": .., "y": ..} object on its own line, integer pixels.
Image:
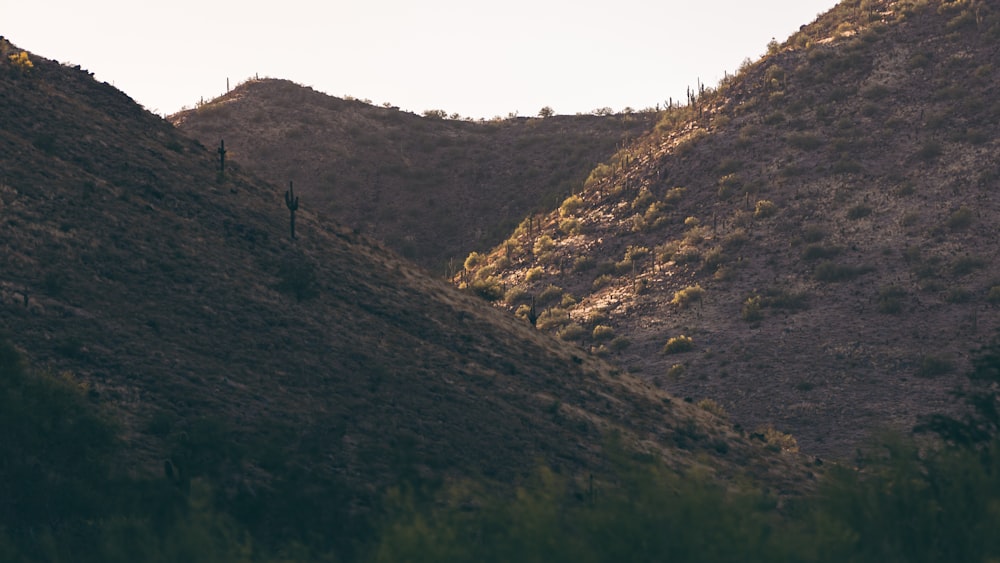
[
  {"x": 819, "y": 229},
  {"x": 300, "y": 378},
  {"x": 432, "y": 189}
]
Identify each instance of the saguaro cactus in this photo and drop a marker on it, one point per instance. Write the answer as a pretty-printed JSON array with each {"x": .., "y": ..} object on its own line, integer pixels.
[
  {"x": 292, "y": 202},
  {"x": 222, "y": 158}
]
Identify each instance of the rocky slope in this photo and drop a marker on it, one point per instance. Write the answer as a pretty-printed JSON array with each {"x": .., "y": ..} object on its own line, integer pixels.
[{"x": 820, "y": 228}]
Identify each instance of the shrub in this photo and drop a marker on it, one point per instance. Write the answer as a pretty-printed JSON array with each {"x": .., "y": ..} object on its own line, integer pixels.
[
  {"x": 543, "y": 244},
  {"x": 550, "y": 294},
  {"x": 993, "y": 296},
  {"x": 890, "y": 299},
  {"x": 603, "y": 332},
  {"x": 711, "y": 406},
  {"x": 583, "y": 263},
  {"x": 960, "y": 218},
  {"x": 966, "y": 265},
  {"x": 929, "y": 151},
  {"x": 572, "y": 331},
  {"x": 552, "y": 318},
  {"x": 535, "y": 273},
  {"x": 931, "y": 366},
  {"x": 570, "y": 205},
  {"x": 777, "y": 440},
  {"x": 688, "y": 295},
  {"x": 678, "y": 344},
  {"x": 474, "y": 260},
  {"x": 619, "y": 343},
  {"x": 676, "y": 371},
  {"x": 858, "y": 212},
  {"x": 752, "y": 309},
  {"x": 674, "y": 195},
  {"x": 602, "y": 281},
  {"x": 489, "y": 288},
  {"x": 569, "y": 226},
  {"x": 829, "y": 271},
  {"x": 764, "y": 209}
]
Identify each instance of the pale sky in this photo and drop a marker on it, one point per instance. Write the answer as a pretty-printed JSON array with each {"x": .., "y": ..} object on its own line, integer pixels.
[{"x": 476, "y": 59}]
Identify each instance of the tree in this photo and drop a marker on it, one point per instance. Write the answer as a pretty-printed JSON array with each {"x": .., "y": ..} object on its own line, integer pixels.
[{"x": 546, "y": 111}]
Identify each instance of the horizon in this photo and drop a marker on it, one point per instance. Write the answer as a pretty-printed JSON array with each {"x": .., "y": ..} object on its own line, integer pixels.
[{"x": 444, "y": 55}]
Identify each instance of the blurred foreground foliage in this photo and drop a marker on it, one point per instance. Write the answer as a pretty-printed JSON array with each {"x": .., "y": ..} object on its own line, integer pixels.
[{"x": 933, "y": 496}]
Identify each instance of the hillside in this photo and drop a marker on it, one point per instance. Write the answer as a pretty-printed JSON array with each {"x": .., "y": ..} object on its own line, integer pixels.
[
  {"x": 432, "y": 189},
  {"x": 300, "y": 378},
  {"x": 820, "y": 227}
]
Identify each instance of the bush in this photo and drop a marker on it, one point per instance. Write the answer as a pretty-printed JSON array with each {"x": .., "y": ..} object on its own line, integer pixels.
[
  {"x": 960, "y": 218},
  {"x": 603, "y": 332},
  {"x": 533, "y": 274},
  {"x": 832, "y": 272},
  {"x": 571, "y": 205},
  {"x": 931, "y": 366},
  {"x": 543, "y": 244},
  {"x": 572, "y": 331},
  {"x": 765, "y": 209},
  {"x": 474, "y": 260},
  {"x": 602, "y": 281},
  {"x": 890, "y": 299},
  {"x": 688, "y": 295},
  {"x": 550, "y": 294},
  {"x": 678, "y": 344},
  {"x": 752, "y": 309}
]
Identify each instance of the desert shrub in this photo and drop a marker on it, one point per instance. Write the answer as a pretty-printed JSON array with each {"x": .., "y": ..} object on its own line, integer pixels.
[
  {"x": 569, "y": 226},
  {"x": 804, "y": 141},
  {"x": 515, "y": 295},
  {"x": 858, "y": 212},
  {"x": 993, "y": 295},
  {"x": 474, "y": 260},
  {"x": 570, "y": 205},
  {"x": 674, "y": 196},
  {"x": 602, "y": 280},
  {"x": 552, "y": 318},
  {"x": 890, "y": 299},
  {"x": 960, "y": 218},
  {"x": 695, "y": 235},
  {"x": 572, "y": 331},
  {"x": 929, "y": 151},
  {"x": 644, "y": 199},
  {"x": 567, "y": 301},
  {"x": 634, "y": 253},
  {"x": 676, "y": 371},
  {"x": 777, "y": 298},
  {"x": 603, "y": 332},
  {"x": 534, "y": 274},
  {"x": 714, "y": 257},
  {"x": 549, "y": 294},
  {"x": 490, "y": 288},
  {"x": 828, "y": 271},
  {"x": 600, "y": 172},
  {"x": 735, "y": 239},
  {"x": 934, "y": 365},
  {"x": 777, "y": 440},
  {"x": 713, "y": 407},
  {"x": 688, "y": 295},
  {"x": 543, "y": 244},
  {"x": 583, "y": 264},
  {"x": 764, "y": 209},
  {"x": 966, "y": 265},
  {"x": 958, "y": 295},
  {"x": 678, "y": 344},
  {"x": 619, "y": 343},
  {"x": 752, "y": 309},
  {"x": 729, "y": 185},
  {"x": 297, "y": 278},
  {"x": 819, "y": 251}
]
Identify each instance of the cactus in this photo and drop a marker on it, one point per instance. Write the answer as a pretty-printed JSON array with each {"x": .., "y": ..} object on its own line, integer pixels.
[
  {"x": 222, "y": 158},
  {"x": 292, "y": 202}
]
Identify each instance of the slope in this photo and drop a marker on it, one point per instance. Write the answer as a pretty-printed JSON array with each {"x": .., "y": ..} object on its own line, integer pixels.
[
  {"x": 820, "y": 228},
  {"x": 314, "y": 372},
  {"x": 433, "y": 189}
]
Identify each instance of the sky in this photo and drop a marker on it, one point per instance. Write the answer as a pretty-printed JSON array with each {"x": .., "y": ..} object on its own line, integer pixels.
[{"x": 474, "y": 59}]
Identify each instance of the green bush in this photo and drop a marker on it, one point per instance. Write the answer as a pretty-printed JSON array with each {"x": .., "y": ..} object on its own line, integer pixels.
[
  {"x": 603, "y": 332},
  {"x": 570, "y": 206},
  {"x": 685, "y": 297},
  {"x": 678, "y": 344}
]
